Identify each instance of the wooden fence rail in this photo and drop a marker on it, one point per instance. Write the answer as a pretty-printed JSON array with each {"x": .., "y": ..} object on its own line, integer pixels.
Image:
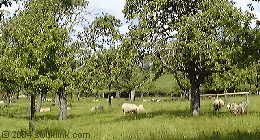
[{"x": 225, "y": 94}]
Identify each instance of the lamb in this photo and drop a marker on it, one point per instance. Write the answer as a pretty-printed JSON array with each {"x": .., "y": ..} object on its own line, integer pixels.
[
  {"x": 97, "y": 108},
  {"x": 218, "y": 104},
  {"x": 131, "y": 108},
  {"x": 45, "y": 110}
]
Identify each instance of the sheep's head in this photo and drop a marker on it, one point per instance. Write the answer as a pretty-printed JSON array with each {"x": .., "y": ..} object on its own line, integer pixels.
[
  {"x": 140, "y": 108},
  {"x": 93, "y": 108},
  {"x": 228, "y": 106}
]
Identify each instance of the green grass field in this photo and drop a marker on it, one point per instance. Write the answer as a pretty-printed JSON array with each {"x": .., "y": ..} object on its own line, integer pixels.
[{"x": 160, "y": 120}]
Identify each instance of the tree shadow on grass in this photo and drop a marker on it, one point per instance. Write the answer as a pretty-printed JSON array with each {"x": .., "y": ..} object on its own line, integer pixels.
[
  {"x": 211, "y": 113},
  {"x": 142, "y": 115},
  {"x": 214, "y": 135},
  {"x": 46, "y": 117},
  {"x": 237, "y": 135},
  {"x": 175, "y": 114},
  {"x": 9, "y": 112},
  {"x": 46, "y": 132}
]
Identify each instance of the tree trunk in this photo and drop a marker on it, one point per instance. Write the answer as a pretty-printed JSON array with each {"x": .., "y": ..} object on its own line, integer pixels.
[
  {"x": 79, "y": 96},
  {"x": 189, "y": 94},
  {"x": 63, "y": 105},
  {"x": 63, "y": 108},
  {"x": 31, "y": 123},
  {"x": 118, "y": 94},
  {"x": 109, "y": 101},
  {"x": 132, "y": 95},
  {"x": 57, "y": 102},
  {"x": 257, "y": 89},
  {"x": 257, "y": 84},
  {"x": 39, "y": 104},
  {"x": 195, "y": 99},
  {"x": 17, "y": 94},
  {"x": 8, "y": 101}
]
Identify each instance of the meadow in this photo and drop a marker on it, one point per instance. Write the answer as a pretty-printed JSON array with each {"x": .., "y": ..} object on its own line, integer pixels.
[{"x": 168, "y": 119}]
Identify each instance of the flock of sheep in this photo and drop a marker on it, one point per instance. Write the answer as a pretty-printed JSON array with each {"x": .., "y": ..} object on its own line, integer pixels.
[{"x": 235, "y": 108}]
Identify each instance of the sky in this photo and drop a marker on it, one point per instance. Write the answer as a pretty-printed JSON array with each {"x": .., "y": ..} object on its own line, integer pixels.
[{"x": 115, "y": 8}]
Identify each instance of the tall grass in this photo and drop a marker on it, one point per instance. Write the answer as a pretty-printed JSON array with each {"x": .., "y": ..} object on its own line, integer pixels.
[{"x": 160, "y": 120}]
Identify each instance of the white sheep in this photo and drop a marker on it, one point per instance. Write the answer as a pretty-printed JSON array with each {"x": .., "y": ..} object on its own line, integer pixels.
[
  {"x": 238, "y": 109},
  {"x": 22, "y": 96},
  {"x": 244, "y": 107},
  {"x": 218, "y": 104},
  {"x": 97, "y": 108},
  {"x": 131, "y": 108},
  {"x": 45, "y": 110},
  {"x": 49, "y": 100}
]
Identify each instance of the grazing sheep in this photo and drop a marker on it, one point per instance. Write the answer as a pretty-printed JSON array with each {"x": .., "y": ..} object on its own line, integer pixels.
[
  {"x": 97, "y": 108},
  {"x": 159, "y": 100},
  {"x": 218, "y": 104},
  {"x": 49, "y": 100},
  {"x": 22, "y": 96},
  {"x": 244, "y": 107},
  {"x": 132, "y": 108},
  {"x": 238, "y": 109},
  {"x": 234, "y": 108},
  {"x": 45, "y": 110}
]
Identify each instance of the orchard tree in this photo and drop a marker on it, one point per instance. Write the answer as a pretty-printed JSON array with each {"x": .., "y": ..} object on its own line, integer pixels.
[
  {"x": 136, "y": 75},
  {"x": 95, "y": 60},
  {"x": 114, "y": 62},
  {"x": 197, "y": 38},
  {"x": 37, "y": 44}
]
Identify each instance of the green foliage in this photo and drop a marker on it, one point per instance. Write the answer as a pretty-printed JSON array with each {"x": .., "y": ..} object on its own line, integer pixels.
[
  {"x": 102, "y": 31},
  {"x": 35, "y": 46},
  {"x": 62, "y": 9},
  {"x": 6, "y": 3},
  {"x": 36, "y": 49},
  {"x": 196, "y": 38},
  {"x": 116, "y": 67}
]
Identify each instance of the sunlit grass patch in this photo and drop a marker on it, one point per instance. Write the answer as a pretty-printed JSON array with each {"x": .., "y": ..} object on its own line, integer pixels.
[{"x": 169, "y": 119}]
